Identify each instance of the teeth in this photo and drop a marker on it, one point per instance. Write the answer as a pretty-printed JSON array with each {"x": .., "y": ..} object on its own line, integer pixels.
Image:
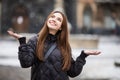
[{"x": 51, "y": 22}]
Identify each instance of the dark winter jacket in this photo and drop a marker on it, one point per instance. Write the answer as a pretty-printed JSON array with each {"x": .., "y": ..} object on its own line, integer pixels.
[{"x": 51, "y": 69}]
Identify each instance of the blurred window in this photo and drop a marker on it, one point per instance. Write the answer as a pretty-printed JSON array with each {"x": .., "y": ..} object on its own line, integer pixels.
[
  {"x": 109, "y": 23},
  {"x": 87, "y": 17}
]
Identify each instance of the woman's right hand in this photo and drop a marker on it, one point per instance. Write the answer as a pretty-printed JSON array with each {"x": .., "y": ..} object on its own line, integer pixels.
[{"x": 15, "y": 35}]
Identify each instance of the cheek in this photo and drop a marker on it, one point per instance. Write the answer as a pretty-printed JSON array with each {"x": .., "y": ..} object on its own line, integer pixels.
[
  {"x": 59, "y": 25},
  {"x": 47, "y": 22}
]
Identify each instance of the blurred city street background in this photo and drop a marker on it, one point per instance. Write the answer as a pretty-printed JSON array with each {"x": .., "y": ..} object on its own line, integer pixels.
[{"x": 93, "y": 24}]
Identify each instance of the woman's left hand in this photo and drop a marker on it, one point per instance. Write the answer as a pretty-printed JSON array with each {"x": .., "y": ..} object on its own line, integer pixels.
[{"x": 92, "y": 52}]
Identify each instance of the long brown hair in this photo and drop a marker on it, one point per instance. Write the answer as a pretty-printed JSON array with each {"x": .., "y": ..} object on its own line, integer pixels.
[{"x": 62, "y": 41}]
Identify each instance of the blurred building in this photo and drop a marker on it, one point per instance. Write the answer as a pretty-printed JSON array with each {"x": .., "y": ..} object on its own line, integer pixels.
[
  {"x": 84, "y": 16},
  {"x": 96, "y": 16},
  {"x": 0, "y": 15},
  {"x": 25, "y": 15}
]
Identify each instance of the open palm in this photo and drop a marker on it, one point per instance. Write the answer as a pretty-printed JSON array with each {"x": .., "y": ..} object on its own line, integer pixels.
[
  {"x": 15, "y": 35},
  {"x": 92, "y": 52}
]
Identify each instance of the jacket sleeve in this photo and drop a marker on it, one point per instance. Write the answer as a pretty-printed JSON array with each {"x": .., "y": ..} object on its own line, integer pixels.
[
  {"x": 77, "y": 66},
  {"x": 26, "y": 52}
]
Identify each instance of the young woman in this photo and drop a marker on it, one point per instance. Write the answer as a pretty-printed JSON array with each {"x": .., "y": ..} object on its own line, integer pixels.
[{"x": 59, "y": 65}]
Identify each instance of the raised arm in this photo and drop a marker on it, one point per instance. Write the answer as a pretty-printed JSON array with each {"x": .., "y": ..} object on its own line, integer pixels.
[
  {"x": 26, "y": 51},
  {"x": 77, "y": 66}
]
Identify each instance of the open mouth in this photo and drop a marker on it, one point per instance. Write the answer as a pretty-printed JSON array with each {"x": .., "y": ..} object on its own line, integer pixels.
[{"x": 52, "y": 23}]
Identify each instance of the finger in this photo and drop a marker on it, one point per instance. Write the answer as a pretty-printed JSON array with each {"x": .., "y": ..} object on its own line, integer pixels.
[
  {"x": 98, "y": 52},
  {"x": 94, "y": 52},
  {"x": 15, "y": 35},
  {"x": 10, "y": 32}
]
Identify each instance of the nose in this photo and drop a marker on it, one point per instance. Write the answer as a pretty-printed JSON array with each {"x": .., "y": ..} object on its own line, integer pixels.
[{"x": 53, "y": 20}]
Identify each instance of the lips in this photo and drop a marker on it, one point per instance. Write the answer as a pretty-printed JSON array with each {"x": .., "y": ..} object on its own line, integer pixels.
[{"x": 52, "y": 23}]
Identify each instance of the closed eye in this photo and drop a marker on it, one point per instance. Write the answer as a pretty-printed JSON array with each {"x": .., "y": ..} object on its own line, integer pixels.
[
  {"x": 59, "y": 19},
  {"x": 52, "y": 16}
]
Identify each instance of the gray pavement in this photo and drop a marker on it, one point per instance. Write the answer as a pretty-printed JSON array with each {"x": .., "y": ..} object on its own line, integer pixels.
[{"x": 100, "y": 67}]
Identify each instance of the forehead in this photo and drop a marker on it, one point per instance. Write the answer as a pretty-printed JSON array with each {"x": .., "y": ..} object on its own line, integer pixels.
[{"x": 58, "y": 15}]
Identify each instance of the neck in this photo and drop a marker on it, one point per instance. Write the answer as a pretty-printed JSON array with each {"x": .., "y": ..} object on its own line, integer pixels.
[{"x": 52, "y": 32}]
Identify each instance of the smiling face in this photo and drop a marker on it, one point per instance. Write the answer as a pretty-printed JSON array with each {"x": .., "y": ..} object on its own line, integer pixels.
[{"x": 54, "y": 22}]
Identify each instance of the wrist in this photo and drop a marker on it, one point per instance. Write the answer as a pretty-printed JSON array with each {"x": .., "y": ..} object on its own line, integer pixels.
[
  {"x": 83, "y": 54},
  {"x": 22, "y": 40}
]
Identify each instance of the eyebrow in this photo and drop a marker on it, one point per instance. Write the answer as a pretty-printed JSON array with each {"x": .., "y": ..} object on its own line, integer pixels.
[{"x": 58, "y": 17}]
